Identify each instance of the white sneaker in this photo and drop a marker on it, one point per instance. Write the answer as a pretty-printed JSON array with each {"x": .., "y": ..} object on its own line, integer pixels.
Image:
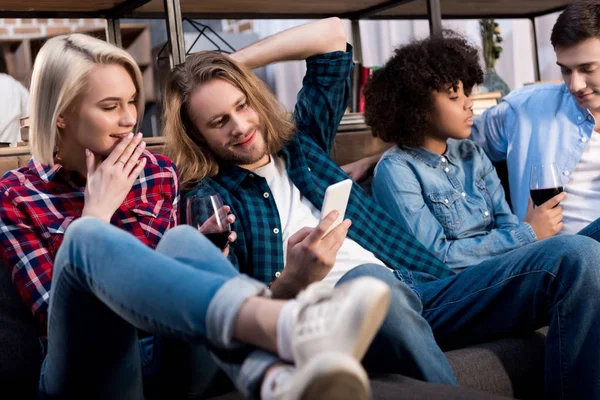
[
  {"x": 328, "y": 376},
  {"x": 343, "y": 319}
]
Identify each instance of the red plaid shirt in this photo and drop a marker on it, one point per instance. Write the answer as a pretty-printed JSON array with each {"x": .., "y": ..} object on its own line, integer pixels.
[{"x": 38, "y": 202}]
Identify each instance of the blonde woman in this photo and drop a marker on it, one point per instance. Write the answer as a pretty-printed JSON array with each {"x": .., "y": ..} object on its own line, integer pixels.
[{"x": 85, "y": 215}]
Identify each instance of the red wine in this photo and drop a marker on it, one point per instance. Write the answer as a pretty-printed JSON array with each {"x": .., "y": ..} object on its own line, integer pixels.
[
  {"x": 219, "y": 239},
  {"x": 540, "y": 196}
]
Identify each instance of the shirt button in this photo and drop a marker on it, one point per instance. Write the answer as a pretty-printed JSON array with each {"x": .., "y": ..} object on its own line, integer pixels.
[
  {"x": 566, "y": 173},
  {"x": 266, "y": 195},
  {"x": 446, "y": 201},
  {"x": 486, "y": 213},
  {"x": 579, "y": 118},
  {"x": 447, "y": 169},
  {"x": 463, "y": 194},
  {"x": 276, "y": 231},
  {"x": 584, "y": 139},
  {"x": 251, "y": 175},
  {"x": 277, "y": 274},
  {"x": 443, "y": 159},
  {"x": 308, "y": 169}
]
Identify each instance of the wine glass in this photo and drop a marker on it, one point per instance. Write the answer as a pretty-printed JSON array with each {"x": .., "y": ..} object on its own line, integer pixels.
[
  {"x": 207, "y": 214},
  {"x": 544, "y": 183}
]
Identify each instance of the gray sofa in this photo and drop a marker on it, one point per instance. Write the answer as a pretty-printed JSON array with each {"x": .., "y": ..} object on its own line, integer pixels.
[{"x": 510, "y": 367}]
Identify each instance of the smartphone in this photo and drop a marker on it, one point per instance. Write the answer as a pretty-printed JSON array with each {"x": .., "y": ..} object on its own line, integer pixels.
[{"x": 336, "y": 198}]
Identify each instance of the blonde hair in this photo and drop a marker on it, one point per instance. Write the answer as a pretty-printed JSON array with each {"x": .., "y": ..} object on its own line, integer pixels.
[
  {"x": 59, "y": 77},
  {"x": 185, "y": 144}
]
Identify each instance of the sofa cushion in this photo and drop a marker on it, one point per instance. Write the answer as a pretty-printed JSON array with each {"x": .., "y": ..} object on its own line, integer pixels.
[
  {"x": 20, "y": 353},
  {"x": 512, "y": 367}
]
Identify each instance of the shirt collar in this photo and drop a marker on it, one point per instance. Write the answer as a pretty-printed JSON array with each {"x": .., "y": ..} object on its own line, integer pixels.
[
  {"x": 49, "y": 173},
  {"x": 578, "y": 114},
  {"x": 433, "y": 159},
  {"x": 45, "y": 172},
  {"x": 231, "y": 176}
]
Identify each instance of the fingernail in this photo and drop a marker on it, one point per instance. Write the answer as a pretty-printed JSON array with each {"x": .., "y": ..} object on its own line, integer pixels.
[
  {"x": 87, "y": 152},
  {"x": 143, "y": 144},
  {"x": 129, "y": 135},
  {"x": 138, "y": 135}
]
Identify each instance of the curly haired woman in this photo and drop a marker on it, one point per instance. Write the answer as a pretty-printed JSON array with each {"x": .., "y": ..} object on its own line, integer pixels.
[{"x": 443, "y": 189}]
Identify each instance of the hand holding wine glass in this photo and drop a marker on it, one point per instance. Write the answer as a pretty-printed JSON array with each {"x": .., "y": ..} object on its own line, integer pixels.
[
  {"x": 544, "y": 183},
  {"x": 212, "y": 219},
  {"x": 546, "y": 193}
]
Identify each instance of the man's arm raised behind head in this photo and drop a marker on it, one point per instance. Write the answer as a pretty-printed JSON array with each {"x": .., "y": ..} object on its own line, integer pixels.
[{"x": 297, "y": 43}]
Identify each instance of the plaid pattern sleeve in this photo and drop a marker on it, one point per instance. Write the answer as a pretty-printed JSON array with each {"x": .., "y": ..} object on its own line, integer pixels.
[
  {"x": 26, "y": 252},
  {"x": 324, "y": 96},
  {"x": 37, "y": 204}
]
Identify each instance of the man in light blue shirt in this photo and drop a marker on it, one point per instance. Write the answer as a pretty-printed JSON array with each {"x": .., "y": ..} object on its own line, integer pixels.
[{"x": 555, "y": 122}]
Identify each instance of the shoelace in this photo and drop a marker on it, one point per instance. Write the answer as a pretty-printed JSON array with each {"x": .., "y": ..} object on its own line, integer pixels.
[{"x": 316, "y": 311}]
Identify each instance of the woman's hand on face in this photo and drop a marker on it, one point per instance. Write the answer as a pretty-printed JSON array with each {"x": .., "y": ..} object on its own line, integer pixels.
[{"x": 109, "y": 181}]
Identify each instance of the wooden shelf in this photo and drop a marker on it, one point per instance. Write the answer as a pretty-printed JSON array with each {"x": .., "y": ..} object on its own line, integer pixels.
[{"x": 20, "y": 53}]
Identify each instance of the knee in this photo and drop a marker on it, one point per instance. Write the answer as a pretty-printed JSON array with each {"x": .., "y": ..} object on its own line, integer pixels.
[
  {"x": 85, "y": 228},
  {"x": 87, "y": 237},
  {"x": 578, "y": 249},
  {"x": 180, "y": 234},
  {"x": 82, "y": 230},
  {"x": 372, "y": 270},
  {"x": 179, "y": 241},
  {"x": 579, "y": 255}
]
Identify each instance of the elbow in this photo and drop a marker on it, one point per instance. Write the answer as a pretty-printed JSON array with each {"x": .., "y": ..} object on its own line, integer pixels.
[{"x": 336, "y": 33}]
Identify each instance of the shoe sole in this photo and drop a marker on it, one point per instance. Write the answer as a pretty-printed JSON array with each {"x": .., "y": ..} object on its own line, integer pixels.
[
  {"x": 337, "y": 377},
  {"x": 374, "y": 312}
]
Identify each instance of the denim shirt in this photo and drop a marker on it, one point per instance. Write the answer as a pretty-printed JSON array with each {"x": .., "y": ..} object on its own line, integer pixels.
[
  {"x": 535, "y": 124},
  {"x": 453, "y": 204}
]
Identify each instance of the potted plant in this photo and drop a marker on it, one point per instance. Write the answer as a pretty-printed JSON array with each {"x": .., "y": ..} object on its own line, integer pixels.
[{"x": 491, "y": 39}]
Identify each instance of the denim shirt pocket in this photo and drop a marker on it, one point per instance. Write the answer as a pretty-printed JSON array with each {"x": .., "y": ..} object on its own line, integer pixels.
[{"x": 448, "y": 209}]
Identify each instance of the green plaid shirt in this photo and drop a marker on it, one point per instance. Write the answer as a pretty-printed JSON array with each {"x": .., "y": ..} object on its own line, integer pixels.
[{"x": 258, "y": 250}]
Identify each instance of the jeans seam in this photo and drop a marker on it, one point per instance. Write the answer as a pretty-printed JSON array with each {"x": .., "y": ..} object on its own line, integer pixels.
[{"x": 486, "y": 288}]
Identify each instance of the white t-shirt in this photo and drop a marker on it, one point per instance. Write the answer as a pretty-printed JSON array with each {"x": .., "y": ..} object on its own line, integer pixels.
[
  {"x": 581, "y": 207},
  {"x": 14, "y": 104},
  {"x": 297, "y": 212}
]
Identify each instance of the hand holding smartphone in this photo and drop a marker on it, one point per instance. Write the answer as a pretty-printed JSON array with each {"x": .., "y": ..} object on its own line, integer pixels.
[{"x": 336, "y": 198}]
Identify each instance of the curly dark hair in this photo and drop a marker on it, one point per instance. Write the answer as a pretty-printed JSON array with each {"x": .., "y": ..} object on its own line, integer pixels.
[{"x": 399, "y": 97}]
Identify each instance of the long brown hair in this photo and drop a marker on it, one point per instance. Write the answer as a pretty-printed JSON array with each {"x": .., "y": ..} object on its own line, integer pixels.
[{"x": 194, "y": 160}]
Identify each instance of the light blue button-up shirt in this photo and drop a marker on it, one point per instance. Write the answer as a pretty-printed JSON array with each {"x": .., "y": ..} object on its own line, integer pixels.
[
  {"x": 535, "y": 124},
  {"x": 453, "y": 204}
]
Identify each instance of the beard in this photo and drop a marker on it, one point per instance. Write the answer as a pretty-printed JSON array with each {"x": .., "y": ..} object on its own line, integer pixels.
[
  {"x": 253, "y": 155},
  {"x": 235, "y": 158}
]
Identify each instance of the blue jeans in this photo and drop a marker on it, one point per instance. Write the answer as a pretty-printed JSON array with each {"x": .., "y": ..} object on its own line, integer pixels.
[
  {"x": 107, "y": 284},
  {"x": 554, "y": 282}
]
